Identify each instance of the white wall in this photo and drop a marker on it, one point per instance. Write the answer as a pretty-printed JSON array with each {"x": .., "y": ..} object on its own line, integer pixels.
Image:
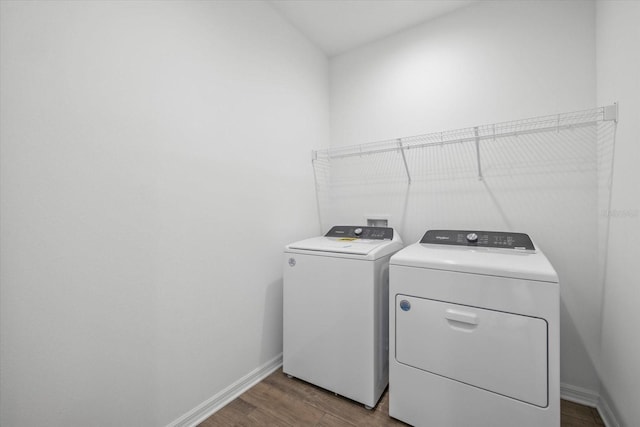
[
  {"x": 618, "y": 64},
  {"x": 155, "y": 160},
  {"x": 487, "y": 63}
]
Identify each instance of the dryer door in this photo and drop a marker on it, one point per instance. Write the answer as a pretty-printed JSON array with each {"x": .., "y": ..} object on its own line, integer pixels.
[{"x": 500, "y": 352}]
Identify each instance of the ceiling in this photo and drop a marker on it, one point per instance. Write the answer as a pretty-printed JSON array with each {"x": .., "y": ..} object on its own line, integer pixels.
[{"x": 337, "y": 26}]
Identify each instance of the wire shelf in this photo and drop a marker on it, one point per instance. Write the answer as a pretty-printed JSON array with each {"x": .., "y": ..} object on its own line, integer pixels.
[{"x": 556, "y": 122}]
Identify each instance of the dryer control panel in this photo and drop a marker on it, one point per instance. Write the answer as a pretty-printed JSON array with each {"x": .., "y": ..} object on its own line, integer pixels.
[
  {"x": 486, "y": 239},
  {"x": 361, "y": 232}
]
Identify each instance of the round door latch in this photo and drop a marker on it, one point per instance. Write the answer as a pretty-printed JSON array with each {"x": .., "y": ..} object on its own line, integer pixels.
[{"x": 292, "y": 262}]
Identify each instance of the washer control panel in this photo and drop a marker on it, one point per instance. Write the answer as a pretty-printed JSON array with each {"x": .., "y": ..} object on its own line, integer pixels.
[
  {"x": 485, "y": 239},
  {"x": 361, "y": 232}
]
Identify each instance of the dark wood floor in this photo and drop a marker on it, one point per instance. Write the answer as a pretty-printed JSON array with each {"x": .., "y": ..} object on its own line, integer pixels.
[{"x": 282, "y": 401}]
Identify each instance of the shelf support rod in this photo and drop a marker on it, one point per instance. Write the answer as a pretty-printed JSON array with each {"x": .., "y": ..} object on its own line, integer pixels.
[
  {"x": 477, "y": 138},
  {"x": 404, "y": 159}
]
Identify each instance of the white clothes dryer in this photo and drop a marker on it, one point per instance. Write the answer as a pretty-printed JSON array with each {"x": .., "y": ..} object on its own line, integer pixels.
[
  {"x": 474, "y": 332},
  {"x": 336, "y": 310}
]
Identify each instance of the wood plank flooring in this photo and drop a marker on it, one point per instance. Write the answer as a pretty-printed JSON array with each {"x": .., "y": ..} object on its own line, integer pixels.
[{"x": 281, "y": 401}]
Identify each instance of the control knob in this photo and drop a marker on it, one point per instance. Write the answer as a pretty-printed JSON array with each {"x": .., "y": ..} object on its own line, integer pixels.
[
  {"x": 357, "y": 231},
  {"x": 472, "y": 237}
]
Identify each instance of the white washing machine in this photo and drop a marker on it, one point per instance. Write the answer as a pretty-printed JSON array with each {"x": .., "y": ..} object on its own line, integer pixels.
[
  {"x": 336, "y": 310},
  {"x": 474, "y": 332}
]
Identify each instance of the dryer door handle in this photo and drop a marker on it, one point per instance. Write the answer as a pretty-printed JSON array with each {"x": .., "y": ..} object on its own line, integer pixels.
[{"x": 461, "y": 316}]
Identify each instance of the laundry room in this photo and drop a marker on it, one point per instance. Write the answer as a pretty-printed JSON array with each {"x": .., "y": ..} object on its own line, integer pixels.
[{"x": 191, "y": 193}]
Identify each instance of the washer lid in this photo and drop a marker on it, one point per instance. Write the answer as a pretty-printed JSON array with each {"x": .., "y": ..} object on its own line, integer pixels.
[
  {"x": 524, "y": 264},
  {"x": 352, "y": 247}
]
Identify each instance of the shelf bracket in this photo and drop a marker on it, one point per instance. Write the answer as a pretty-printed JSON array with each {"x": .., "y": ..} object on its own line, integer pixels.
[
  {"x": 404, "y": 159},
  {"x": 611, "y": 112},
  {"x": 477, "y": 139}
]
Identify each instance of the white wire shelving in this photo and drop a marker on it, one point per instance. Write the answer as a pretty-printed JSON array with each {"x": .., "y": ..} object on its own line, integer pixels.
[{"x": 475, "y": 135}]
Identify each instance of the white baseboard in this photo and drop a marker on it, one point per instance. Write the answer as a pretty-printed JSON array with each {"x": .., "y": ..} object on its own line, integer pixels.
[
  {"x": 590, "y": 398},
  {"x": 219, "y": 400},
  {"x": 579, "y": 395},
  {"x": 608, "y": 416}
]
